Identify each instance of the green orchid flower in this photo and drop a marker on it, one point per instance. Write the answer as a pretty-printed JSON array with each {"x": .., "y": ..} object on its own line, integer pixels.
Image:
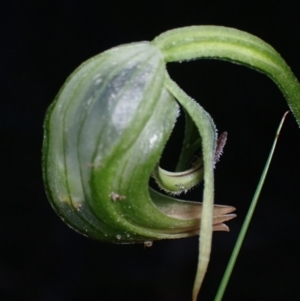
[{"x": 106, "y": 130}]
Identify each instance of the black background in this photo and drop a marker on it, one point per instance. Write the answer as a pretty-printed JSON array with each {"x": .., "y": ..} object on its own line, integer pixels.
[{"x": 42, "y": 259}]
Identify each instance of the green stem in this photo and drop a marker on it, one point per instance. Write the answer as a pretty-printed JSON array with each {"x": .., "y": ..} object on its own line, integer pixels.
[{"x": 216, "y": 42}]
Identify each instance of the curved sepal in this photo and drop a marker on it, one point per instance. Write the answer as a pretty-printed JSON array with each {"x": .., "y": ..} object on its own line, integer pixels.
[{"x": 104, "y": 134}]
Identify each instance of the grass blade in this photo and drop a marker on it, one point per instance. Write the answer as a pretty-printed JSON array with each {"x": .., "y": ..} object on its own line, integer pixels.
[{"x": 247, "y": 220}]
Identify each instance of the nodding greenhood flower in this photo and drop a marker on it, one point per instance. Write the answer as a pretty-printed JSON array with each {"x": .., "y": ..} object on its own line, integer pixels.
[{"x": 107, "y": 128}]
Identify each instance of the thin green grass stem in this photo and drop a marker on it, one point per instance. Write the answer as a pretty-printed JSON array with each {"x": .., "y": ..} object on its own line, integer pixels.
[{"x": 247, "y": 220}]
